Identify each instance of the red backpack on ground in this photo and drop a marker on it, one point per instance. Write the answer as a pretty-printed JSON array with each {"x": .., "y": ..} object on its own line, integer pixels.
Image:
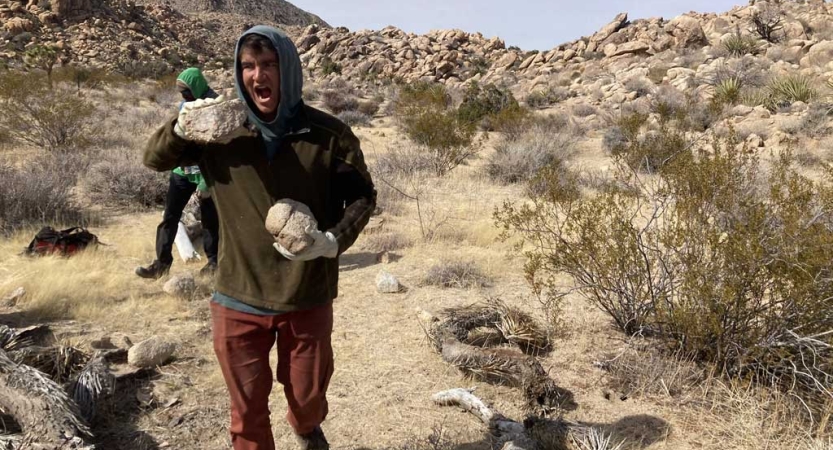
[{"x": 67, "y": 242}]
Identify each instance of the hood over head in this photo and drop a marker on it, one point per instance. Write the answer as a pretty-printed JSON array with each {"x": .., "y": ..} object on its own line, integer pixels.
[
  {"x": 291, "y": 83},
  {"x": 193, "y": 78}
]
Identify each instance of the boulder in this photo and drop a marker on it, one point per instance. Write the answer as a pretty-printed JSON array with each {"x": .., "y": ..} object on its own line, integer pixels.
[
  {"x": 687, "y": 32},
  {"x": 618, "y": 22},
  {"x": 632, "y": 47},
  {"x": 818, "y": 55},
  {"x": 507, "y": 61},
  {"x": 17, "y": 25}
]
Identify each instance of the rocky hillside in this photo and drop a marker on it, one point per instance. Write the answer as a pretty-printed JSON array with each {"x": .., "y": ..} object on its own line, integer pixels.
[
  {"x": 623, "y": 49},
  {"x": 278, "y": 11},
  {"x": 138, "y": 39}
]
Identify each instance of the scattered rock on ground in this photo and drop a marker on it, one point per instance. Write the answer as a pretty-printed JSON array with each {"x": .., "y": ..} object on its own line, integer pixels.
[
  {"x": 386, "y": 283},
  {"x": 151, "y": 352},
  {"x": 12, "y": 298},
  {"x": 181, "y": 286}
]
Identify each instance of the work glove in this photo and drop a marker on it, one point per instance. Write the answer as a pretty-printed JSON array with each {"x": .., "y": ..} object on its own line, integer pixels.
[
  {"x": 324, "y": 245},
  {"x": 213, "y": 109}
]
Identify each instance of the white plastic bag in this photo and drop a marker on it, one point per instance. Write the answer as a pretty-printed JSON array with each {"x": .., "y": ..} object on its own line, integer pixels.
[{"x": 184, "y": 246}]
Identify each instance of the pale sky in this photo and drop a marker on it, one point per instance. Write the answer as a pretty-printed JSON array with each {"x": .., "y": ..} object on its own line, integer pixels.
[{"x": 529, "y": 24}]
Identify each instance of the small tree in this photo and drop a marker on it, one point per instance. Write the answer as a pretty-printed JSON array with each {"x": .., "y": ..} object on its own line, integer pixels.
[
  {"x": 767, "y": 22},
  {"x": 42, "y": 57}
]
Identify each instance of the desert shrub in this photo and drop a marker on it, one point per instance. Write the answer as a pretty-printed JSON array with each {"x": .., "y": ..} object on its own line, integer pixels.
[
  {"x": 328, "y": 66},
  {"x": 521, "y": 159},
  {"x": 816, "y": 123},
  {"x": 118, "y": 178},
  {"x": 33, "y": 114},
  {"x": 42, "y": 57},
  {"x": 354, "y": 118},
  {"x": 792, "y": 88},
  {"x": 456, "y": 274},
  {"x": 369, "y": 107},
  {"x": 339, "y": 101},
  {"x": 641, "y": 85},
  {"x": 721, "y": 257},
  {"x": 509, "y": 121},
  {"x": 647, "y": 150},
  {"x": 482, "y": 102},
  {"x": 547, "y": 97},
  {"x": 424, "y": 114},
  {"x": 39, "y": 195},
  {"x": 738, "y": 44},
  {"x": 584, "y": 110}
]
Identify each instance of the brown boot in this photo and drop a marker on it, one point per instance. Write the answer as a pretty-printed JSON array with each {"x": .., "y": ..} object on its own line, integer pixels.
[{"x": 314, "y": 440}]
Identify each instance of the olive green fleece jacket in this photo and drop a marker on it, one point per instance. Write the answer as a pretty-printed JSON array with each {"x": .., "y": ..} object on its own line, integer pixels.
[{"x": 319, "y": 163}]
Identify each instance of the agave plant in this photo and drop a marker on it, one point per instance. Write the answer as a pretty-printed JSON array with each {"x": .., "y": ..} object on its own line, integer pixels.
[
  {"x": 792, "y": 88},
  {"x": 727, "y": 90}
]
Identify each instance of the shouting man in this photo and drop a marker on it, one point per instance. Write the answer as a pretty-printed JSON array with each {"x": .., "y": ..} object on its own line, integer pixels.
[{"x": 263, "y": 296}]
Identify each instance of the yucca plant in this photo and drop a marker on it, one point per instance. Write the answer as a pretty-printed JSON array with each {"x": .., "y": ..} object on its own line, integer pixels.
[
  {"x": 758, "y": 97},
  {"x": 792, "y": 88},
  {"x": 738, "y": 44},
  {"x": 727, "y": 90}
]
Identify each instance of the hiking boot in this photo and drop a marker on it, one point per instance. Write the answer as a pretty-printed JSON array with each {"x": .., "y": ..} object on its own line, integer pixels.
[
  {"x": 154, "y": 271},
  {"x": 314, "y": 440},
  {"x": 209, "y": 269}
]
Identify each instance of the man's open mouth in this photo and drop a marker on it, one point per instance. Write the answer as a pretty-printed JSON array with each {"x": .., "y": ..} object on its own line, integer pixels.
[{"x": 263, "y": 93}]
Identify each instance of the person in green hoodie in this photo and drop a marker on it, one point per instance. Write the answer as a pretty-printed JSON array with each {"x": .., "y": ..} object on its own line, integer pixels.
[
  {"x": 183, "y": 182},
  {"x": 265, "y": 295}
]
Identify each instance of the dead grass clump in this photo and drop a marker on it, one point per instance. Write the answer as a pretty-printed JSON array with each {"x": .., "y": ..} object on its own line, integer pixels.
[
  {"x": 456, "y": 274},
  {"x": 386, "y": 242},
  {"x": 38, "y": 195},
  {"x": 354, "y": 118},
  {"x": 439, "y": 439},
  {"x": 584, "y": 110},
  {"x": 120, "y": 179},
  {"x": 641, "y": 369}
]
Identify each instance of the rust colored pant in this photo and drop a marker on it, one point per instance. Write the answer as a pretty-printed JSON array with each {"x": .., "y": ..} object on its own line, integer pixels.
[{"x": 242, "y": 343}]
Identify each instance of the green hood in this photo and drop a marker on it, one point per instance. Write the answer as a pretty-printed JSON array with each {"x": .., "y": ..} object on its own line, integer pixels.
[
  {"x": 291, "y": 84},
  {"x": 195, "y": 80}
]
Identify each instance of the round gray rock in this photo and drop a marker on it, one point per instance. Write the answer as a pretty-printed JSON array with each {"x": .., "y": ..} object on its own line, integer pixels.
[
  {"x": 151, "y": 352},
  {"x": 287, "y": 221},
  {"x": 181, "y": 286},
  {"x": 386, "y": 283}
]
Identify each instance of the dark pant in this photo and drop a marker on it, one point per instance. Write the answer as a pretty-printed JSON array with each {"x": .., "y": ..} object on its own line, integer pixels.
[
  {"x": 242, "y": 343},
  {"x": 180, "y": 191}
]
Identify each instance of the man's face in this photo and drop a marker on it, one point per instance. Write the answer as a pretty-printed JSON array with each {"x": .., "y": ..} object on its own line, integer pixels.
[
  {"x": 262, "y": 80},
  {"x": 187, "y": 95}
]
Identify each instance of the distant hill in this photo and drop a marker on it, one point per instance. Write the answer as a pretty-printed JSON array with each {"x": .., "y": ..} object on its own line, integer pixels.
[{"x": 278, "y": 11}]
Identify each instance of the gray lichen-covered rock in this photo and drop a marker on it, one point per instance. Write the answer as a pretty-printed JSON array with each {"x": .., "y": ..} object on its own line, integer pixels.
[
  {"x": 216, "y": 122},
  {"x": 386, "y": 283},
  {"x": 151, "y": 352},
  {"x": 287, "y": 221},
  {"x": 182, "y": 286}
]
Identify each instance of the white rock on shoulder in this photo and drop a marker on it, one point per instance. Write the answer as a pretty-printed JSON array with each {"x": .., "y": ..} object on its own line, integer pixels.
[{"x": 214, "y": 122}]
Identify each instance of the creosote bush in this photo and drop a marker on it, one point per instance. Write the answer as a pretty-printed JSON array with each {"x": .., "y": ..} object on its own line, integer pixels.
[
  {"x": 720, "y": 257},
  {"x": 354, "y": 118},
  {"x": 423, "y": 111},
  {"x": 33, "y": 114}
]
